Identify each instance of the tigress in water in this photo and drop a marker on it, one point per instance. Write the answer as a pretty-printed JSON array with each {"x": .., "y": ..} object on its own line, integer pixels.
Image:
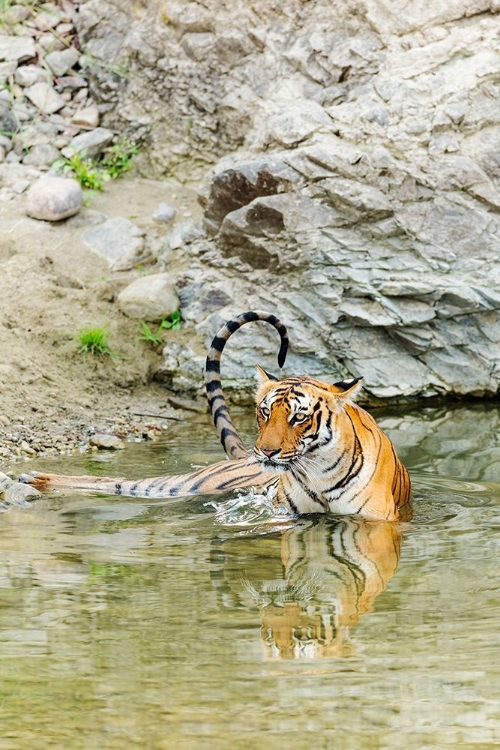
[{"x": 316, "y": 450}]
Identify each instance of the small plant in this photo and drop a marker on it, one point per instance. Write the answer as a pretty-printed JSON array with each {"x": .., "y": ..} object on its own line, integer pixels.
[
  {"x": 85, "y": 171},
  {"x": 118, "y": 158},
  {"x": 94, "y": 341},
  {"x": 173, "y": 322},
  {"x": 148, "y": 335}
]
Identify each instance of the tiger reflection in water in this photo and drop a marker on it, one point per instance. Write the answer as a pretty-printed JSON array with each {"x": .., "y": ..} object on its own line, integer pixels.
[{"x": 313, "y": 583}]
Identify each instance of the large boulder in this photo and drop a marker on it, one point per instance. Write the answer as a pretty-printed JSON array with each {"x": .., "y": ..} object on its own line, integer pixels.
[{"x": 358, "y": 188}]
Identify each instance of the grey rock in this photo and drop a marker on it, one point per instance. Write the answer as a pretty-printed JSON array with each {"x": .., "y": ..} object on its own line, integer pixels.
[
  {"x": 20, "y": 494},
  {"x": 118, "y": 241},
  {"x": 90, "y": 144},
  {"x": 53, "y": 198},
  {"x": 9, "y": 123},
  {"x": 42, "y": 156},
  {"x": 5, "y": 481},
  {"x": 7, "y": 69},
  {"x": 150, "y": 297},
  {"x": 16, "y": 14},
  {"x": 353, "y": 181},
  {"x": 28, "y": 75},
  {"x": 44, "y": 97},
  {"x": 107, "y": 442},
  {"x": 87, "y": 117},
  {"x": 18, "y": 48},
  {"x": 3, "y": 154},
  {"x": 61, "y": 62},
  {"x": 164, "y": 213}
]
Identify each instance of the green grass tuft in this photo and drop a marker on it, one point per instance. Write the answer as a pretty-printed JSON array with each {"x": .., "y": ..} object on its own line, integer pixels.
[{"x": 94, "y": 341}]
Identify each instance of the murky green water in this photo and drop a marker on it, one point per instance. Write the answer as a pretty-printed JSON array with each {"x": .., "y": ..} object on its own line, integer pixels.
[{"x": 133, "y": 624}]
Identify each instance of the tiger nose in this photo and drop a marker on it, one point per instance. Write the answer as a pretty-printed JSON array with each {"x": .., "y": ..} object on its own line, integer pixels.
[{"x": 270, "y": 452}]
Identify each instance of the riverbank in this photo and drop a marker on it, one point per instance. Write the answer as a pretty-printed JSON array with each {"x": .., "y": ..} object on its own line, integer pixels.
[{"x": 54, "y": 398}]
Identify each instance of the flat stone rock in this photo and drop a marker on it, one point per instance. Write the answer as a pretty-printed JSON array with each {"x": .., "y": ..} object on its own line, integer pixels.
[
  {"x": 44, "y": 97},
  {"x": 42, "y": 156},
  {"x": 54, "y": 198},
  {"x": 89, "y": 144},
  {"x": 28, "y": 75},
  {"x": 118, "y": 241},
  {"x": 88, "y": 117},
  {"x": 17, "y": 48},
  {"x": 61, "y": 61},
  {"x": 149, "y": 298}
]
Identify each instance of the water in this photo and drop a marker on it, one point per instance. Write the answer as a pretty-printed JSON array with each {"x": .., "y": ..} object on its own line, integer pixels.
[{"x": 127, "y": 623}]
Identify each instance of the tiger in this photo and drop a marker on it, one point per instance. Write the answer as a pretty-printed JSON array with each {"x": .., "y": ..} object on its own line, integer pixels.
[{"x": 316, "y": 450}]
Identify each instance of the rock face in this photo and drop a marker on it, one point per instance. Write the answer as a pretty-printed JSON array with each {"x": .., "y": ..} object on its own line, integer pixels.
[{"x": 361, "y": 197}]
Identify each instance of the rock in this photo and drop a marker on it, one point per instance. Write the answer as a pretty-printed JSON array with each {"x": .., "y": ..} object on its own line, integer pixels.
[
  {"x": 88, "y": 117},
  {"x": 5, "y": 481},
  {"x": 61, "y": 62},
  {"x": 42, "y": 156},
  {"x": 107, "y": 442},
  {"x": 363, "y": 206},
  {"x": 44, "y": 97},
  {"x": 54, "y": 198},
  {"x": 15, "y": 14},
  {"x": 19, "y": 48},
  {"x": 90, "y": 144},
  {"x": 150, "y": 297},
  {"x": 8, "y": 120},
  {"x": 48, "y": 18},
  {"x": 50, "y": 43},
  {"x": 7, "y": 69},
  {"x": 5, "y": 143},
  {"x": 20, "y": 494},
  {"x": 118, "y": 241},
  {"x": 28, "y": 75},
  {"x": 164, "y": 213}
]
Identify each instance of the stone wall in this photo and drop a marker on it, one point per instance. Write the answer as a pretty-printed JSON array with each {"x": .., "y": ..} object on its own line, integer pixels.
[{"x": 351, "y": 161}]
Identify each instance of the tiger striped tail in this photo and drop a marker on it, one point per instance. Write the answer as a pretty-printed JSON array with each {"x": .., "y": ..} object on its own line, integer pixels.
[{"x": 226, "y": 430}]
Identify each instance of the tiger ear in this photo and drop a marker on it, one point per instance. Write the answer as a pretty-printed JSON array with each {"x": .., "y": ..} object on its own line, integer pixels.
[
  {"x": 346, "y": 390},
  {"x": 263, "y": 376}
]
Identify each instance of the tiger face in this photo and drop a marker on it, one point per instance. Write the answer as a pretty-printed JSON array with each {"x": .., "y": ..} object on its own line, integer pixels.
[{"x": 295, "y": 417}]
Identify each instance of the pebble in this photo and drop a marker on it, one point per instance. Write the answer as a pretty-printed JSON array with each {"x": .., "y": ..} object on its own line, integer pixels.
[
  {"x": 164, "y": 213},
  {"x": 28, "y": 75},
  {"x": 61, "y": 61},
  {"x": 88, "y": 117},
  {"x": 18, "y": 48},
  {"x": 54, "y": 198},
  {"x": 44, "y": 97}
]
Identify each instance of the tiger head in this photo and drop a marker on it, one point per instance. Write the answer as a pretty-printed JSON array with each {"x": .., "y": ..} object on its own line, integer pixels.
[{"x": 296, "y": 416}]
